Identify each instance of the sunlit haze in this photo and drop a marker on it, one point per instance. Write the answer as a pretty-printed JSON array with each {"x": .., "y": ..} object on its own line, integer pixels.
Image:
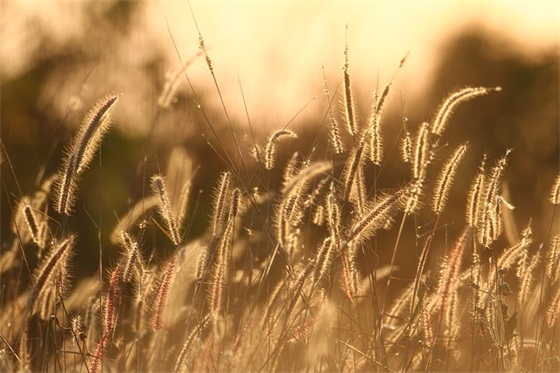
[{"x": 275, "y": 51}]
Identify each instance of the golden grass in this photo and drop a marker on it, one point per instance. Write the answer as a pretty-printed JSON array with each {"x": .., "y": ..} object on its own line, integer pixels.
[{"x": 288, "y": 275}]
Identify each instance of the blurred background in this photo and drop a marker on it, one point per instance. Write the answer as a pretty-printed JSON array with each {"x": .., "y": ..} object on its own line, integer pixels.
[{"x": 58, "y": 58}]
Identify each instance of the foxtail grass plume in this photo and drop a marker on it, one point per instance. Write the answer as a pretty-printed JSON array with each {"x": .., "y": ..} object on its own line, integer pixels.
[
  {"x": 553, "y": 259},
  {"x": 81, "y": 152},
  {"x": 204, "y": 50},
  {"x": 553, "y": 309},
  {"x": 349, "y": 276},
  {"x": 474, "y": 197},
  {"x": 50, "y": 265},
  {"x": 324, "y": 260},
  {"x": 526, "y": 282},
  {"x": 422, "y": 149},
  {"x": 333, "y": 215},
  {"x": 219, "y": 202},
  {"x": 162, "y": 294},
  {"x": 555, "y": 192},
  {"x": 414, "y": 197},
  {"x": 349, "y": 108},
  {"x": 491, "y": 224},
  {"x": 406, "y": 147},
  {"x": 270, "y": 150},
  {"x": 236, "y": 203},
  {"x": 445, "y": 179},
  {"x": 378, "y": 214},
  {"x": 31, "y": 222},
  {"x": 165, "y": 209},
  {"x": 453, "y": 100},
  {"x": 133, "y": 257},
  {"x": 336, "y": 142},
  {"x": 376, "y": 138},
  {"x": 350, "y": 171}
]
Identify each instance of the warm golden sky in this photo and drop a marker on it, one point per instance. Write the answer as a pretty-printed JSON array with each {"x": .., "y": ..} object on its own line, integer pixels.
[
  {"x": 280, "y": 46},
  {"x": 277, "y": 48}
]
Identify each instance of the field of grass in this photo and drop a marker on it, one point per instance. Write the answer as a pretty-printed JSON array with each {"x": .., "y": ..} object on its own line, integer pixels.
[{"x": 302, "y": 263}]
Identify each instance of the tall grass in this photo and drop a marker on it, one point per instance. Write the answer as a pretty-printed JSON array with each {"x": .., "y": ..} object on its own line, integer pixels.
[{"x": 287, "y": 276}]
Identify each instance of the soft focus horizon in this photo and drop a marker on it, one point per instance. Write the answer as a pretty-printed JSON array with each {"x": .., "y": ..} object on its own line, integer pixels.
[
  {"x": 273, "y": 51},
  {"x": 286, "y": 43}
]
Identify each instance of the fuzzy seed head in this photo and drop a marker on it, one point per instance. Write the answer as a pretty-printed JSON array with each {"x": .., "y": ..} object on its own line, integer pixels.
[
  {"x": 406, "y": 147},
  {"x": 164, "y": 207},
  {"x": 348, "y": 99},
  {"x": 453, "y": 100},
  {"x": 334, "y": 130},
  {"x": 81, "y": 152},
  {"x": 555, "y": 192},
  {"x": 270, "y": 150},
  {"x": 421, "y": 156},
  {"x": 475, "y": 196},
  {"x": 445, "y": 179},
  {"x": 553, "y": 259},
  {"x": 219, "y": 203}
]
